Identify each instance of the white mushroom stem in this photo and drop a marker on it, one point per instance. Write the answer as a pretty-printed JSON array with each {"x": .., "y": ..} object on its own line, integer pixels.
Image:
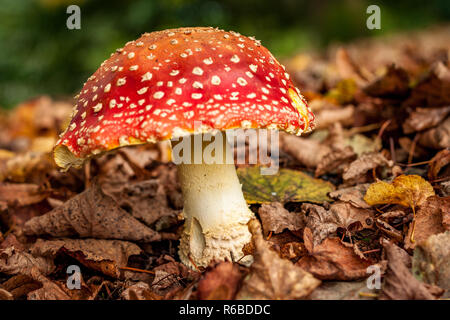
[{"x": 215, "y": 211}]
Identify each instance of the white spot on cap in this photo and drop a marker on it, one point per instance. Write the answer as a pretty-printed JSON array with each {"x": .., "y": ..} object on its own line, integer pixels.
[
  {"x": 251, "y": 95},
  {"x": 158, "y": 95},
  {"x": 121, "y": 82},
  {"x": 241, "y": 81},
  {"x": 98, "y": 107},
  {"x": 182, "y": 80},
  {"x": 235, "y": 59},
  {"x": 215, "y": 80},
  {"x": 174, "y": 72},
  {"x": 107, "y": 87},
  {"x": 170, "y": 101},
  {"x": 72, "y": 126},
  {"x": 131, "y": 55},
  {"x": 134, "y": 68},
  {"x": 197, "y": 85},
  {"x": 196, "y": 96},
  {"x": 142, "y": 90},
  {"x": 253, "y": 67},
  {"x": 112, "y": 103},
  {"x": 197, "y": 71},
  {"x": 208, "y": 61},
  {"x": 265, "y": 90},
  {"x": 178, "y": 91},
  {"x": 146, "y": 76}
]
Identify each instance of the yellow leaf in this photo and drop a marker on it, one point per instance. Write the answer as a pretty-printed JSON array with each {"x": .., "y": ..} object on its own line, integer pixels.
[{"x": 408, "y": 191}]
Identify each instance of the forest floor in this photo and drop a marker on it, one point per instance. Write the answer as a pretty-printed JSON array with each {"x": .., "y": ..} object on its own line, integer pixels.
[{"x": 363, "y": 211}]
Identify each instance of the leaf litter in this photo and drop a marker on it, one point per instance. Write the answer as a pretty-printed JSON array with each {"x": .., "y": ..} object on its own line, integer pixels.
[{"x": 369, "y": 187}]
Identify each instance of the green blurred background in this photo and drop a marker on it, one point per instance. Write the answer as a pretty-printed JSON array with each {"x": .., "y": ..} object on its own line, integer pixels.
[{"x": 39, "y": 55}]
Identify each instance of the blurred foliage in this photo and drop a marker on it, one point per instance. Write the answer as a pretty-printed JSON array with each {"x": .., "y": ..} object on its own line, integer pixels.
[{"x": 39, "y": 55}]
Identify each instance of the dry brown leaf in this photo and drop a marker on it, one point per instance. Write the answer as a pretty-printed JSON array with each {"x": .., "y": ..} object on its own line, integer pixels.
[
  {"x": 275, "y": 218},
  {"x": 296, "y": 146},
  {"x": 424, "y": 118},
  {"x": 14, "y": 261},
  {"x": 439, "y": 164},
  {"x": 433, "y": 90},
  {"x": 356, "y": 172},
  {"x": 393, "y": 84},
  {"x": 220, "y": 282},
  {"x": 331, "y": 260},
  {"x": 139, "y": 291},
  {"x": 19, "y": 195},
  {"x": 347, "y": 68},
  {"x": 324, "y": 223},
  {"x": 92, "y": 214},
  {"x": 335, "y": 161},
  {"x": 342, "y": 290},
  {"x": 327, "y": 117},
  {"x": 5, "y": 295},
  {"x": 353, "y": 195},
  {"x": 50, "y": 290},
  {"x": 428, "y": 220},
  {"x": 431, "y": 261},
  {"x": 106, "y": 256},
  {"x": 399, "y": 283},
  {"x": 437, "y": 138},
  {"x": 405, "y": 190},
  {"x": 20, "y": 285},
  {"x": 272, "y": 277},
  {"x": 171, "y": 276}
]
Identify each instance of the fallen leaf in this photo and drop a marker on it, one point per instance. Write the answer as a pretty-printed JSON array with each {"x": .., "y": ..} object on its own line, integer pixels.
[
  {"x": 139, "y": 291},
  {"x": 106, "y": 256},
  {"x": 271, "y": 277},
  {"x": 327, "y": 117},
  {"x": 393, "y": 84},
  {"x": 428, "y": 220},
  {"x": 220, "y": 282},
  {"x": 424, "y": 118},
  {"x": 5, "y": 295},
  {"x": 433, "y": 90},
  {"x": 171, "y": 276},
  {"x": 357, "y": 170},
  {"x": 285, "y": 186},
  {"x": 353, "y": 195},
  {"x": 92, "y": 214},
  {"x": 347, "y": 68},
  {"x": 335, "y": 161},
  {"x": 275, "y": 218},
  {"x": 331, "y": 260},
  {"x": 14, "y": 261},
  {"x": 440, "y": 162},
  {"x": 19, "y": 195},
  {"x": 343, "y": 290},
  {"x": 405, "y": 190},
  {"x": 399, "y": 283},
  {"x": 147, "y": 202},
  {"x": 50, "y": 290},
  {"x": 430, "y": 261},
  {"x": 436, "y": 138},
  {"x": 324, "y": 223},
  {"x": 296, "y": 146}
]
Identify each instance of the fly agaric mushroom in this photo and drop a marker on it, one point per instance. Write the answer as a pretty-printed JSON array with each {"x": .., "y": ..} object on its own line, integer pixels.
[{"x": 155, "y": 88}]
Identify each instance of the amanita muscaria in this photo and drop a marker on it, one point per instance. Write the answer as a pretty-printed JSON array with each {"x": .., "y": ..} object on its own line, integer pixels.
[{"x": 156, "y": 87}]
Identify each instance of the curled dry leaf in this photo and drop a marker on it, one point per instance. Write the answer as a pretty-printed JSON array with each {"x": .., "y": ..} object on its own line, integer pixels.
[
  {"x": 296, "y": 146},
  {"x": 272, "y": 277},
  {"x": 331, "y": 260},
  {"x": 353, "y": 195},
  {"x": 399, "y": 283},
  {"x": 172, "y": 276},
  {"x": 327, "y": 117},
  {"x": 50, "y": 290},
  {"x": 335, "y": 161},
  {"x": 437, "y": 138},
  {"x": 347, "y": 68},
  {"x": 356, "y": 172},
  {"x": 139, "y": 291},
  {"x": 323, "y": 223},
  {"x": 439, "y": 164},
  {"x": 405, "y": 190},
  {"x": 393, "y": 84},
  {"x": 15, "y": 261},
  {"x": 147, "y": 202},
  {"x": 431, "y": 261},
  {"x": 92, "y": 214},
  {"x": 220, "y": 283},
  {"x": 106, "y": 256},
  {"x": 428, "y": 220},
  {"x": 275, "y": 218},
  {"x": 424, "y": 118},
  {"x": 19, "y": 195}
]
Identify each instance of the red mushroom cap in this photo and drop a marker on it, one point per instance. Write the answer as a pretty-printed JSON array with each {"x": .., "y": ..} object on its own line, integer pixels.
[{"x": 157, "y": 86}]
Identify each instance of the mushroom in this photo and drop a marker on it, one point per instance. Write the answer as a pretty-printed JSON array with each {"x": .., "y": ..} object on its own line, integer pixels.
[{"x": 157, "y": 88}]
